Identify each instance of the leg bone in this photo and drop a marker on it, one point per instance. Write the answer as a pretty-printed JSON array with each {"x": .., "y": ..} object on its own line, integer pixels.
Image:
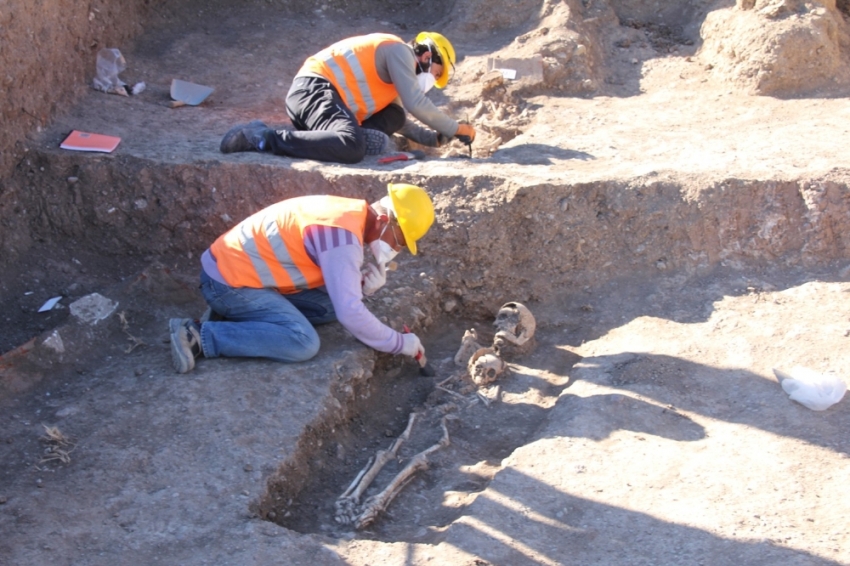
[
  {"x": 347, "y": 504},
  {"x": 377, "y": 504}
]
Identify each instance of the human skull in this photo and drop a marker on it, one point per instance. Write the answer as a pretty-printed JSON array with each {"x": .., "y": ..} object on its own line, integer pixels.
[
  {"x": 468, "y": 346},
  {"x": 485, "y": 366},
  {"x": 515, "y": 324}
]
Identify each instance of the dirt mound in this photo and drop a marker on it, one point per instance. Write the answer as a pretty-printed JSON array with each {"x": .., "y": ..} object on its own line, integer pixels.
[{"x": 778, "y": 47}]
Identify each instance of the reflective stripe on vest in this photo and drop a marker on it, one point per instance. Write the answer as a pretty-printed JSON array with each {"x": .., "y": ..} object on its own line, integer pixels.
[
  {"x": 350, "y": 66},
  {"x": 266, "y": 250},
  {"x": 279, "y": 249}
]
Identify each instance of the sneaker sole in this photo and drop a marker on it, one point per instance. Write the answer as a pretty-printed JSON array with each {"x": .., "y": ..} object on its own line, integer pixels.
[{"x": 181, "y": 353}]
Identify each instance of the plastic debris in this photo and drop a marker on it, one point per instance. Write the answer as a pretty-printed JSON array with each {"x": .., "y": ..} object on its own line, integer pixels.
[
  {"x": 49, "y": 304},
  {"x": 811, "y": 389},
  {"x": 110, "y": 63}
]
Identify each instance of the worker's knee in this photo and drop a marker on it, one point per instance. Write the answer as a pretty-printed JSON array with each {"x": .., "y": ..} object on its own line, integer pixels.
[
  {"x": 353, "y": 149},
  {"x": 395, "y": 118},
  {"x": 308, "y": 346},
  {"x": 312, "y": 348}
]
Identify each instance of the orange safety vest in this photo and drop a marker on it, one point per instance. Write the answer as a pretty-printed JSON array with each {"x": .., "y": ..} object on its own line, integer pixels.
[
  {"x": 350, "y": 66},
  {"x": 266, "y": 250}
]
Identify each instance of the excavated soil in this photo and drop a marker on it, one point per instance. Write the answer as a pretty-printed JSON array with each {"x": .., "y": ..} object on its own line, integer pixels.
[{"x": 677, "y": 234}]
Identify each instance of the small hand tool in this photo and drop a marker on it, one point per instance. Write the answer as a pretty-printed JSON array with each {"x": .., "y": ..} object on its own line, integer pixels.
[
  {"x": 402, "y": 156},
  {"x": 425, "y": 368}
]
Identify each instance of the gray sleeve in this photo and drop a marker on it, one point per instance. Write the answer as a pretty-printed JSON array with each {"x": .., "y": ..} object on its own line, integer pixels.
[
  {"x": 399, "y": 62},
  {"x": 423, "y": 136}
]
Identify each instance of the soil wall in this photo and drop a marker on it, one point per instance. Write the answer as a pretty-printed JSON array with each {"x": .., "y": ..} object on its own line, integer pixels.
[
  {"x": 47, "y": 56},
  {"x": 493, "y": 233}
]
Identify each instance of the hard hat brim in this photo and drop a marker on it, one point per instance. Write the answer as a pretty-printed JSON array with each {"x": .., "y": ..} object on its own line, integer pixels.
[{"x": 409, "y": 242}]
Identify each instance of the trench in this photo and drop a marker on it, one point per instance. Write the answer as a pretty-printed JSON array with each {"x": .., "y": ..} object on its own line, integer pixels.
[
  {"x": 302, "y": 495},
  {"x": 563, "y": 250},
  {"x": 529, "y": 243}
]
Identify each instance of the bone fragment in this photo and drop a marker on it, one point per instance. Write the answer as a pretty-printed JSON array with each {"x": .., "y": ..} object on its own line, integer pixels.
[
  {"x": 455, "y": 393},
  {"x": 484, "y": 399},
  {"x": 515, "y": 324},
  {"x": 347, "y": 504},
  {"x": 359, "y": 477},
  {"x": 378, "y": 504},
  {"x": 490, "y": 396},
  {"x": 468, "y": 346},
  {"x": 448, "y": 379},
  {"x": 485, "y": 366}
]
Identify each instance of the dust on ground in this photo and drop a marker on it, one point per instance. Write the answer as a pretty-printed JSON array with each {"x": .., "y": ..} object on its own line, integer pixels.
[{"x": 646, "y": 427}]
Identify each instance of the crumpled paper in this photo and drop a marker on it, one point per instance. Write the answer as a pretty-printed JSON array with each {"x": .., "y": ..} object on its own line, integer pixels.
[{"x": 816, "y": 391}]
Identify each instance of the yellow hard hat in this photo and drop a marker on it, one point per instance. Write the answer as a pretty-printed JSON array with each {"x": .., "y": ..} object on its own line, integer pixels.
[
  {"x": 446, "y": 51},
  {"x": 414, "y": 211}
]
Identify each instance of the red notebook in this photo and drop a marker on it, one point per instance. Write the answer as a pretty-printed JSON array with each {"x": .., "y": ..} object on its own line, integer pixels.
[{"x": 85, "y": 141}]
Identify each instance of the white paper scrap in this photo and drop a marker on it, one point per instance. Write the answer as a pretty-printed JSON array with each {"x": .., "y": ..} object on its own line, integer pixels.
[
  {"x": 509, "y": 74},
  {"x": 49, "y": 304}
]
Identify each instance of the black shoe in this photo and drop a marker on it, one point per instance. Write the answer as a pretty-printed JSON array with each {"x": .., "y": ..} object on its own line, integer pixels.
[
  {"x": 185, "y": 344},
  {"x": 245, "y": 137}
]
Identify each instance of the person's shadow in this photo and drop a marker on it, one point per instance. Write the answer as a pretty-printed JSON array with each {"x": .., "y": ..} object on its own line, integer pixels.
[{"x": 537, "y": 154}]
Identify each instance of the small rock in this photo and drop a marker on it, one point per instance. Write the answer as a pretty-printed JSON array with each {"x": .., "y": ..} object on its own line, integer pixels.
[
  {"x": 67, "y": 411},
  {"x": 248, "y": 468}
]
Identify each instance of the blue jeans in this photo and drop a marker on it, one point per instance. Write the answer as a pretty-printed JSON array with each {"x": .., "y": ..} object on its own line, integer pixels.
[{"x": 262, "y": 323}]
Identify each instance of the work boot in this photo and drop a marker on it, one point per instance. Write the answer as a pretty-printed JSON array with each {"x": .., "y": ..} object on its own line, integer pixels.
[
  {"x": 377, "y": 142},
  {"x": 185, "y": 344},
  {"x": 245, "y": 137}
]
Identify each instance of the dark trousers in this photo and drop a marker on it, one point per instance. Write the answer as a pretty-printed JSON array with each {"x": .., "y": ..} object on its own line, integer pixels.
[{"x": 326, "y": 129}]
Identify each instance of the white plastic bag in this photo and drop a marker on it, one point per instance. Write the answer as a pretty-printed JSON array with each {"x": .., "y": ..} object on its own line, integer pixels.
[
  {"x": 110, "y": 62},
  {"x": 811, "y": 389}
]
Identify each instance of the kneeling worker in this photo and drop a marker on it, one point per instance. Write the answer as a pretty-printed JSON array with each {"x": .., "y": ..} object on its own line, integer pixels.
[
  {"x": 297, "y": 264},
  {"x": 348, "y": 98}
]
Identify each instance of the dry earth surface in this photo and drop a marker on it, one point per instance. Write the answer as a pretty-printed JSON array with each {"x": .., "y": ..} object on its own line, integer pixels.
[{"x": 677, "y": 233}]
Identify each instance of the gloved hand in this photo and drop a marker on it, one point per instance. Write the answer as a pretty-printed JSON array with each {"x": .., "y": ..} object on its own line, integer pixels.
[
  {"x": 465, "y": 133},
  {"x": 412, "y": 345},
  {"x": 374, "y": 278}
]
